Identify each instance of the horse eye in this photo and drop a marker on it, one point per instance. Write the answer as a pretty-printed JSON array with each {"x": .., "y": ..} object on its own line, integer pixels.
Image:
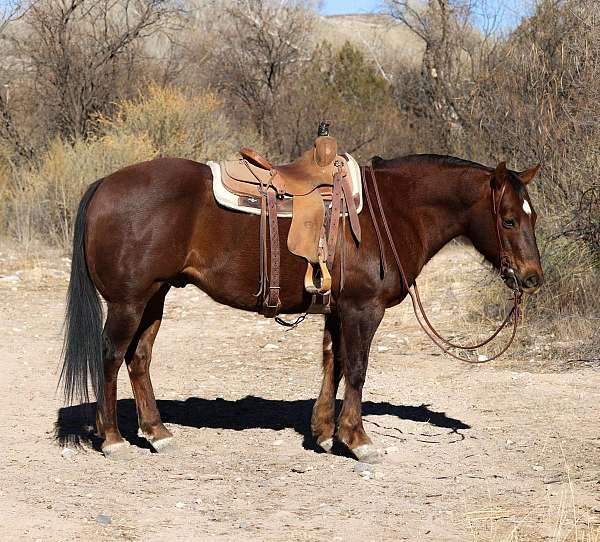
[{"x": 508, "y": 223}]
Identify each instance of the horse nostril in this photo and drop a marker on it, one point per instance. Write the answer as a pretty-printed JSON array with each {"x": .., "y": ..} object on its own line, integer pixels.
[{"x": 532, "y": 281}]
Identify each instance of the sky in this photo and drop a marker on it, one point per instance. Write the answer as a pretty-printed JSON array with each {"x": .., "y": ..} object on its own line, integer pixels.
[
  {"x": 508, "y": 11},
  {"x": 338, "y": 7}
]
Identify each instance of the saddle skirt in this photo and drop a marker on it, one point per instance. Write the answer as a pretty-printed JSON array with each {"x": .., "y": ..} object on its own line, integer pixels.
[{"x": 235, "y": 186}]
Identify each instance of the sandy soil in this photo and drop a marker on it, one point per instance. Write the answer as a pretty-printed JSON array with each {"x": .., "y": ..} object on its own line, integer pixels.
[{"x": 504, "y": 451}]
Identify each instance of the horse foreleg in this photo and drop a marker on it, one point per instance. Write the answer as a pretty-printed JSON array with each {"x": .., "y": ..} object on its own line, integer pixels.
[
  {"x": 122, "y": 320},
  {"x": 359, "y": 326},
  {"x": 323, "y": 415},
  {"x": 138, "y": 360}
]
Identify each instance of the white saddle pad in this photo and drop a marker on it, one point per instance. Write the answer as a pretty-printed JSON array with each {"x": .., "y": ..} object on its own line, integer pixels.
[{"x": 225, "y": 198}]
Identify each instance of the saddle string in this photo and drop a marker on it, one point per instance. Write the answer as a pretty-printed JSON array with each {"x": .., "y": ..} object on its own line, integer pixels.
[{"x": 425, "y": 324}]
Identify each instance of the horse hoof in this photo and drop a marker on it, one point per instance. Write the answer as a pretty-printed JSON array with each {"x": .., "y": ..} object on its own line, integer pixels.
[
  {"x": 367, "y": 453},
  {"x": 165, "y": 446},
  {"x": 119, "y": 451},
  {"x": 326, "y": 444}
]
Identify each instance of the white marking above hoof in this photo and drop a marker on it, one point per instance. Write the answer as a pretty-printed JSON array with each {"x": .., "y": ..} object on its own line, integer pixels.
[
  {"x": 118, "y": 451},
  {"x": 367, "y": 453},
  {"x": 164, "y": 445},
  {"x": 327, "y": 444}
]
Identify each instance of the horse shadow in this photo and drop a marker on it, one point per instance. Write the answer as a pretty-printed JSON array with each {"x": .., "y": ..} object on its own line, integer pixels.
[{"x": 75, "y": 424}]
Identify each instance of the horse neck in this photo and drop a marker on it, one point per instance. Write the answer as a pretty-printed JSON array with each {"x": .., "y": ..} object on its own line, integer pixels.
[{"x": 427, "y": 207}]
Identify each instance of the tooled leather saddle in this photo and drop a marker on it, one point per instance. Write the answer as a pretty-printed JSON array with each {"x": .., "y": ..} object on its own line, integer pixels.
[{"x": 316, "y": 188}]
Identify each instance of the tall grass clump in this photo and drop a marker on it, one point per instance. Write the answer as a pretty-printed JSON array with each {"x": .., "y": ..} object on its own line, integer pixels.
[
  {"x": 179, "y": 124},
  {"x": 39, "y": 198}
]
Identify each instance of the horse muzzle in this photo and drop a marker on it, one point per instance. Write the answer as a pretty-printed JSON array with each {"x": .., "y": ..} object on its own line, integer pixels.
[{"x": 530, "y": 283}]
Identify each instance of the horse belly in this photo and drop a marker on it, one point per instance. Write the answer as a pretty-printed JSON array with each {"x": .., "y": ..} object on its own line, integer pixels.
[{"x": 224, "y": 260}]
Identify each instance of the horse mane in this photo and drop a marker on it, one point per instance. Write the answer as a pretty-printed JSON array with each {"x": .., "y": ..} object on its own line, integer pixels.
[
  {"x": 449, "y": 161},
  {"x": 452, "y": 161}
]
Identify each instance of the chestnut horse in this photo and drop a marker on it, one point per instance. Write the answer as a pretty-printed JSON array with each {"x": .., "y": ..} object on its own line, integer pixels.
[{"x": 156, "y": 225}]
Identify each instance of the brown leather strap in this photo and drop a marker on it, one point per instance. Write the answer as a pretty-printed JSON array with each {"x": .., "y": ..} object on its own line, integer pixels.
[
  {"x": 334, "y": 218},
  {"x": 352, "y": 214},
  {"x": 272, "y": 303},
  {"x": 262, "y": 264},
  {"x": 344, "y": 245}
]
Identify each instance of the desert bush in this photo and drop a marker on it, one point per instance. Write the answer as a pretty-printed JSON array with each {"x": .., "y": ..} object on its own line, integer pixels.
[
  {"x": 41, "y": 197},
  {"x": 180, "y": 124},
  {"x": 40, "y": 200}
]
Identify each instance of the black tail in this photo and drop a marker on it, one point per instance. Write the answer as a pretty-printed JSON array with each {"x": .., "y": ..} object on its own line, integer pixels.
[{"x": 82, "y": 347}]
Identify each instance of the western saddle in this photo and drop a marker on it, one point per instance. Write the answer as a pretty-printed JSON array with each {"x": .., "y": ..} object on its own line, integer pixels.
[{"x": 318, "y": 186}]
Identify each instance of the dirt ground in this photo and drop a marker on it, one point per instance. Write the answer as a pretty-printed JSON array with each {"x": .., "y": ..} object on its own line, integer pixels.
[{"x": 504, "y": 451}]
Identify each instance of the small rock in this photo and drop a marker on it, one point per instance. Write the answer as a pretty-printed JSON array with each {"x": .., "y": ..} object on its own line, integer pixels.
[
  {"x": 391, "y": 449},
  {"x": 298, "y": 469},
  {"x": 10, "y": 278},
  {"x": 482, "y": 357},
  {"x": 104, "y": 520},
  {"x": 382, "y": 349},
  {"x": 270, "y": 346},
  {"x": 537, "y": 467},
  {"x": 180, "y": 504},
  {"x": 361, "y": 468},
  {"x": 277, "y": 442},
  {"x": 243, "y": 525},
  {"x": 68, "y": 453}
]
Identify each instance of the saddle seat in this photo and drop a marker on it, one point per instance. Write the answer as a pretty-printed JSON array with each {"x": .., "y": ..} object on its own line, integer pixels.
[{"x": 313, "y": 169}]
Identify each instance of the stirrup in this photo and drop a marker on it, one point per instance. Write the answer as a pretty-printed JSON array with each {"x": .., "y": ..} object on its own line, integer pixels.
[{"x": 309, "y": 281}]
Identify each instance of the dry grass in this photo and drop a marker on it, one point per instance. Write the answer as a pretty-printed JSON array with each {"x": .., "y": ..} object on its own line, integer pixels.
[
  {"x": 39, "y": 200},
  {"x": 560, "y": 513},
  {"x": 563, "y": 317},
  {"x": 179, "y": 124}
]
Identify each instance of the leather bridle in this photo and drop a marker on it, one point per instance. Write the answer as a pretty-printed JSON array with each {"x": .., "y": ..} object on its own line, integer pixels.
[{"x": 506, "y": 269}]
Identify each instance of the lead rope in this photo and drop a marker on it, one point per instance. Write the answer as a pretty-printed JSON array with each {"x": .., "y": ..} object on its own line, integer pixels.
[{"x": 427, "y": 327}]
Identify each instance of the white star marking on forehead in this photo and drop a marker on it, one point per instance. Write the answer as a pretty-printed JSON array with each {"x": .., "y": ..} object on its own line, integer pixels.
[{"x": 526, "y": 207}]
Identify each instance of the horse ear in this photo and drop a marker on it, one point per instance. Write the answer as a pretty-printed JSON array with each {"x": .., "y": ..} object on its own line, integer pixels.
[
  {"x": 528, "y": 175},
  {"x": 499, "y": 175}
]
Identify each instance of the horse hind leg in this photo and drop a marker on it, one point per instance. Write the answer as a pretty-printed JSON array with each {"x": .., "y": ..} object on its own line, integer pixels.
[
  {"x": 323, "y": 415},
  {"x": 138, "y": 360},
  {"x": 122, "y": 321}
]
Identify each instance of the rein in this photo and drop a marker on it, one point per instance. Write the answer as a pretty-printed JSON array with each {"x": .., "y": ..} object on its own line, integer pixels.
[{"x": 505, "y": 268}]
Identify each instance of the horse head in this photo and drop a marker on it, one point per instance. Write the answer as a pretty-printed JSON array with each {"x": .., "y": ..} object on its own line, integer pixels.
[{"x": 502, "y": 228}]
